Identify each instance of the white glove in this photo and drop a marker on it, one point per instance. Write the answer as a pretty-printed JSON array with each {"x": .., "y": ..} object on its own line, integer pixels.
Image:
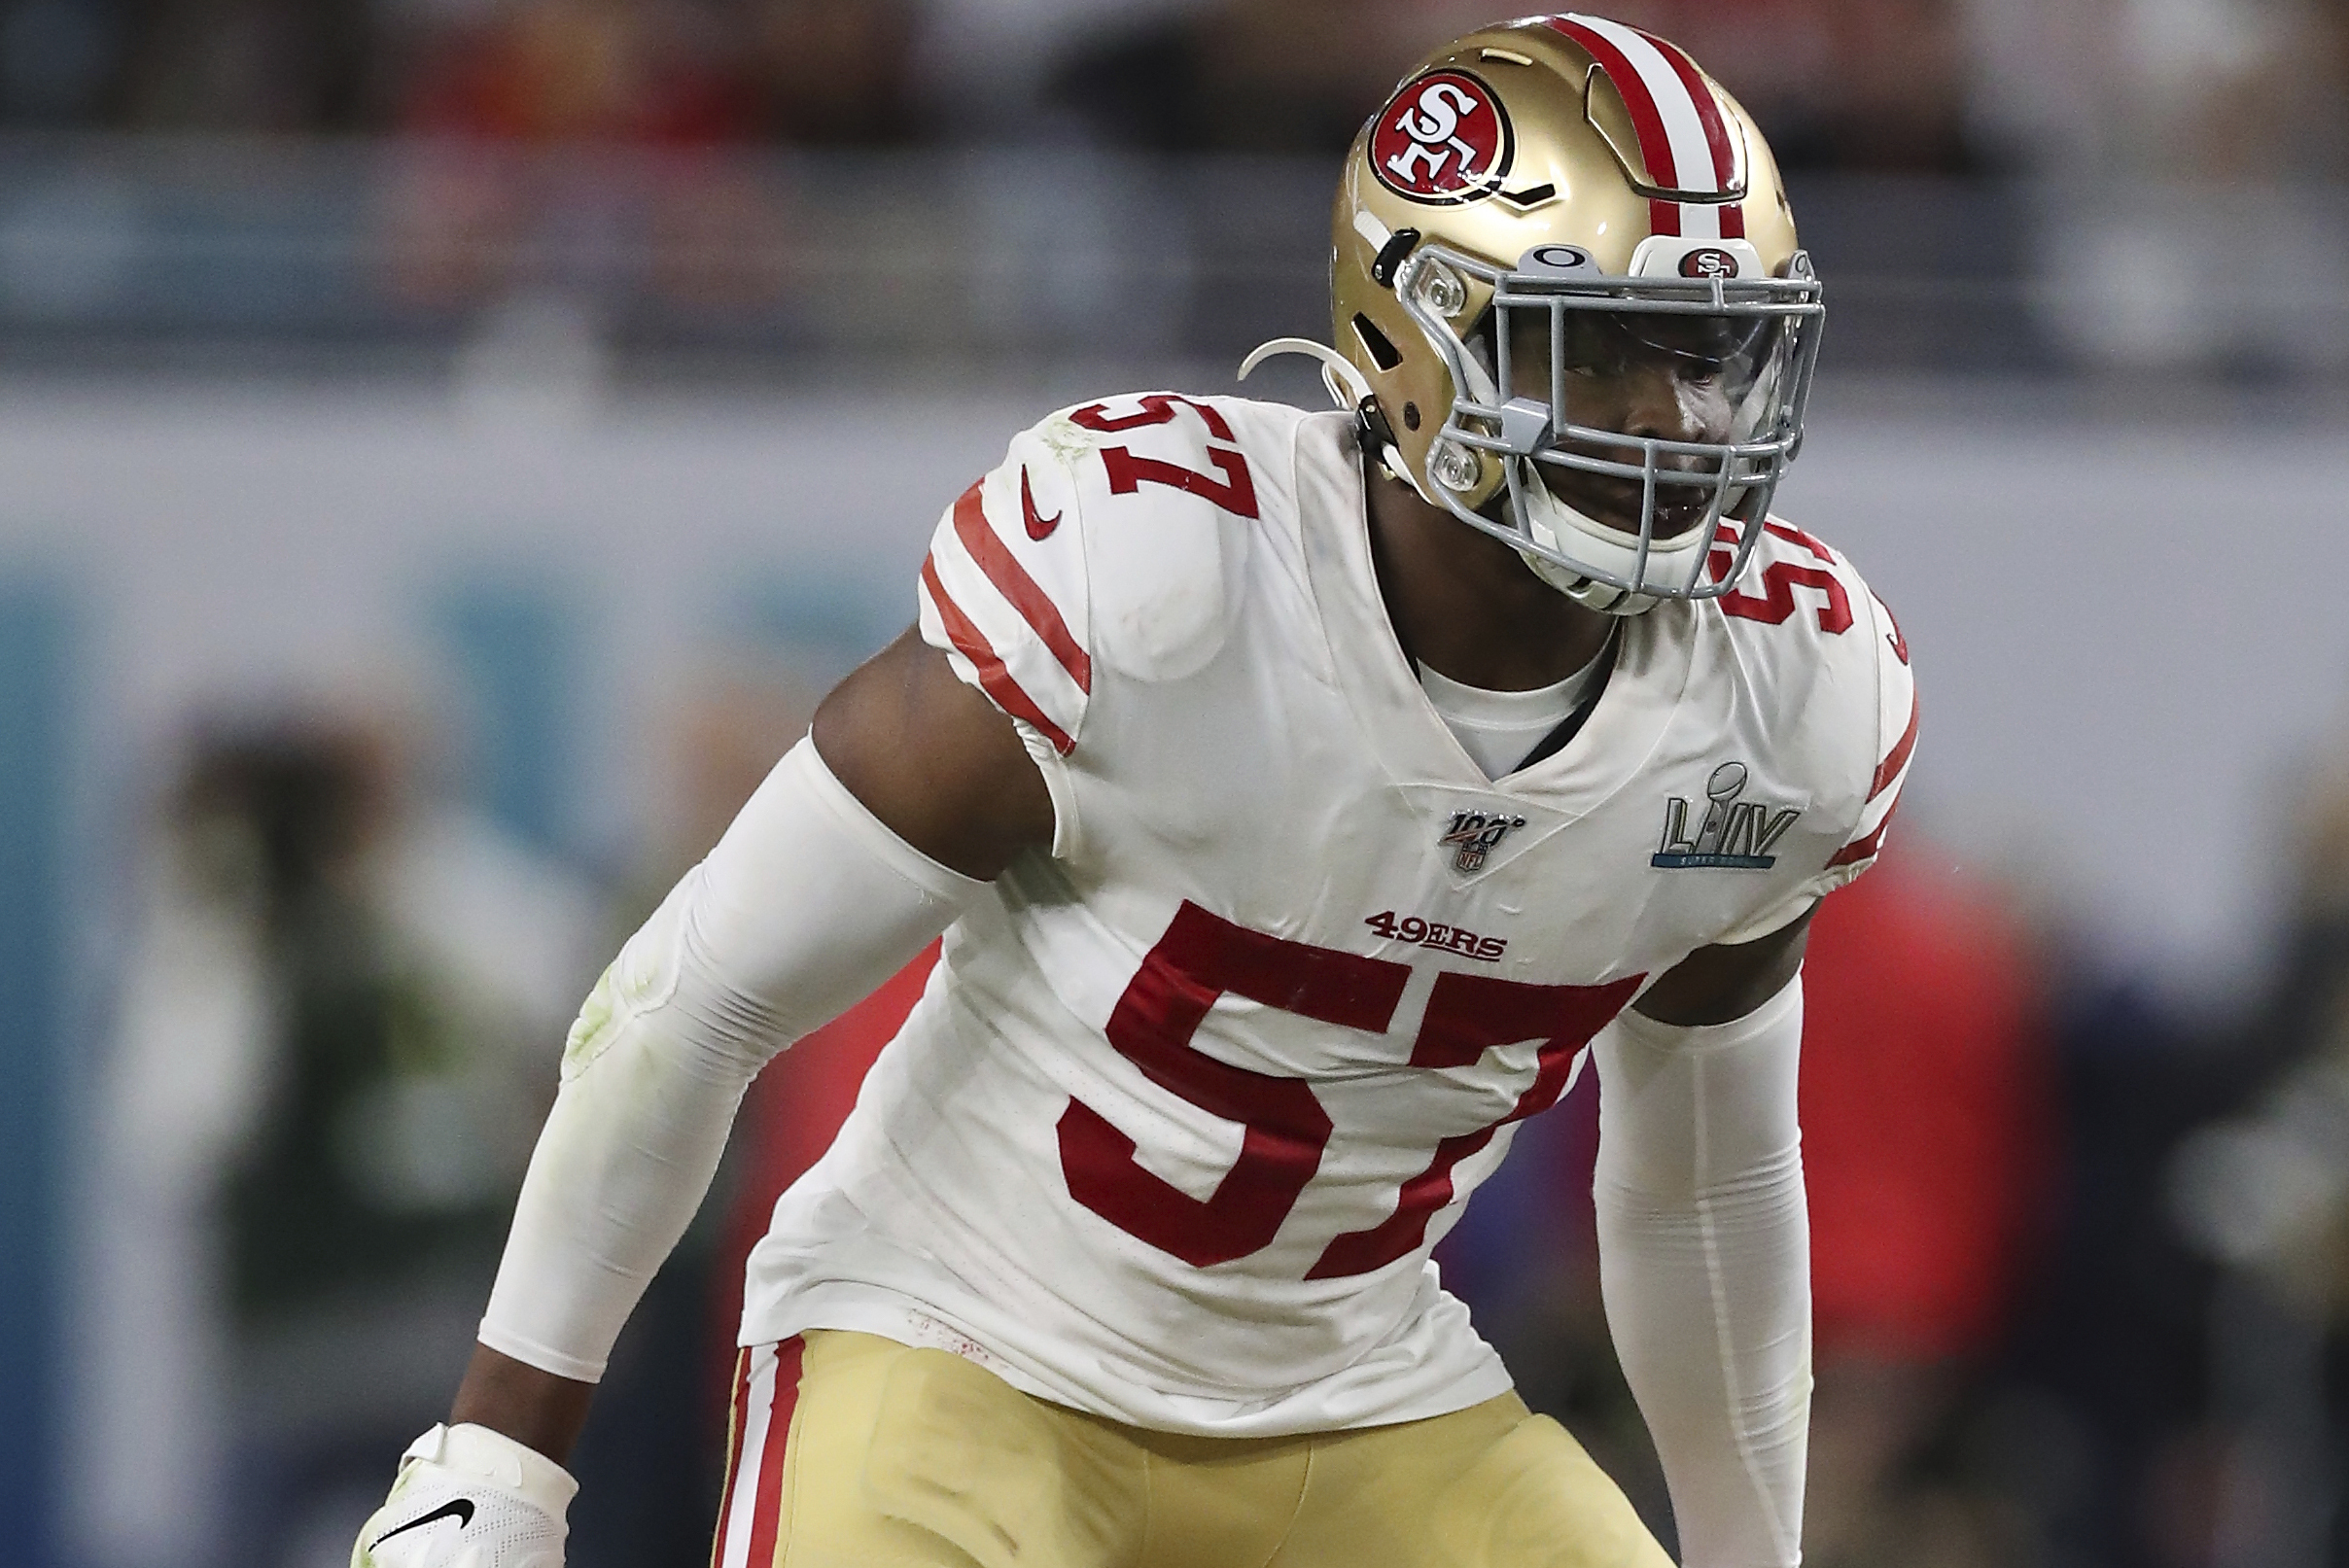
[{"x": 467, "y": 1497}]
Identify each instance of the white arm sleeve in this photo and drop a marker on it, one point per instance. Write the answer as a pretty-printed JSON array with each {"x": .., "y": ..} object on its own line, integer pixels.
[
  {"x": 805, "y": 907},
  {"x": 1705, "y": 1262}
]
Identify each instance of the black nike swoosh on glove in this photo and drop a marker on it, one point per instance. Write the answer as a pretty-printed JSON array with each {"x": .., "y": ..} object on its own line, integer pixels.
[{"x": 461, "y": 1509}]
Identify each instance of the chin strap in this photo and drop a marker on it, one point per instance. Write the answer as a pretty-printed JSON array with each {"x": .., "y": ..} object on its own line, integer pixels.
[
  {"x": 1547, "y": 518},
  {"x": 1347, "y": 388}
]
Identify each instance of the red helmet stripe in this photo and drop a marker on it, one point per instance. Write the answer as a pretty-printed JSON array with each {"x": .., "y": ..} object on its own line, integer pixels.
[
  {"x": 1684, "y": 138},
  {"x": 1716, "y": 132},
  {"x": 1654, "y": 143},
  {"x": 1708, "y": 110}
]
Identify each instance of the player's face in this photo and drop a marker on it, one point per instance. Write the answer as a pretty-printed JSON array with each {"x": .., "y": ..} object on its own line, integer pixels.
[{"x": 1654, "y": 376}]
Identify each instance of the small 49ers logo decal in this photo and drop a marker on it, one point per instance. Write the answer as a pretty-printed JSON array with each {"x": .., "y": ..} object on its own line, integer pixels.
[
  {"x": 1444, "y": 138},
  {"x": 1709, "y": 261}
]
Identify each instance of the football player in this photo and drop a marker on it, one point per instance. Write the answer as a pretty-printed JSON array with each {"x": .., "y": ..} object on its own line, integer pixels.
[{"x": 1303, "y": 798}]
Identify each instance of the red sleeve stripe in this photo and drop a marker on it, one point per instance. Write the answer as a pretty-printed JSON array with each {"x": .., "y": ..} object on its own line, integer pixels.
[
  {"x": 1012, "y": 581},
  {"x": 1898, "y": 758},
  {"x": 1862, "y": 848},
  {"x": 995, "y": 680}
]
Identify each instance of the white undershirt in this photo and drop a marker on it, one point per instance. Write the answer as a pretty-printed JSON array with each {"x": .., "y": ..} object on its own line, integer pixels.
[{"x": 1499, "y": 728}]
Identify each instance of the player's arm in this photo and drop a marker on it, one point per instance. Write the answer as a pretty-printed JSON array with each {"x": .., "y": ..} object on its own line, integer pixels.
[
  {"x": 1704, "y": 1251},
  {"x": 1705, "y": 1242},
  {"x": 939, "y": 766},
  {"x": 936, "y": 761},
  {"x": 863, "y": 844}
]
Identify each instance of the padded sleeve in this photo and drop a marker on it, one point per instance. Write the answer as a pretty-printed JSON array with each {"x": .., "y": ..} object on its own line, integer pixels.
[
  {"x": 806, "y": 905},
  {"x": 1705, "y": 1265}
]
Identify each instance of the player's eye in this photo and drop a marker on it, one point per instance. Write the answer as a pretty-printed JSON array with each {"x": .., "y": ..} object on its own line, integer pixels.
[
  {"x": 1607, "y": 346},
  {"x": 1596, "y": 346}
]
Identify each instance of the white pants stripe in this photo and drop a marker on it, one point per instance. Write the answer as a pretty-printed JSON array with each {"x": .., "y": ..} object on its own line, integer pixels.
[{"x": 766, "y": 1388}]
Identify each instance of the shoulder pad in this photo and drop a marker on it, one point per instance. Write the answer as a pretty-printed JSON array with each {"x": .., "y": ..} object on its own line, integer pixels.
[
  {"x": 1793, "y": 581},
  {"x": 1896, "y": 740},
  {"x": 1832, "y": 651},
  {"x": 1176, "y": 490},
  {"x": 1115, "y": 534}
]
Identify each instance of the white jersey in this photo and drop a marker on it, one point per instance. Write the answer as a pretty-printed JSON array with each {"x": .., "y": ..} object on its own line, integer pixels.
[{"x": 1189, "y": 1099}]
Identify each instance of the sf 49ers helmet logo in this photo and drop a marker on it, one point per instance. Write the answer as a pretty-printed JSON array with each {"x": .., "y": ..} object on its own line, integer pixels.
[
  {"x": 1443, "y": 138},
  {"x": 1709, "y": 261}
]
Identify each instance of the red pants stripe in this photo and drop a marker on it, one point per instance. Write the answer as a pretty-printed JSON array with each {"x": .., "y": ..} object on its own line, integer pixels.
[{"x": 766, "y": 1391}]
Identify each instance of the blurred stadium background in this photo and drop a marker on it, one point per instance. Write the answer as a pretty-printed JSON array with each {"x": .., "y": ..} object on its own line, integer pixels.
[{"x": 446, "y": 445}]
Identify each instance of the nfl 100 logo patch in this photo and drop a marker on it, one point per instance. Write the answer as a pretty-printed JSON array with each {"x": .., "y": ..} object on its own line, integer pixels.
[
  {"x": 1734, "y": 834},
  {"x": 1472, "y": 836}
]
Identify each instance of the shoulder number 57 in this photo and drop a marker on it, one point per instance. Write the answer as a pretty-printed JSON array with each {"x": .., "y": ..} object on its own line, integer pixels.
[{"x": 1234, "y": 492}]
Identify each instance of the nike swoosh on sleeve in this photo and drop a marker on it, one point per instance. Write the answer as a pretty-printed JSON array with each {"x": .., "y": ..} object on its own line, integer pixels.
[{"x": 1040, "y": 528}]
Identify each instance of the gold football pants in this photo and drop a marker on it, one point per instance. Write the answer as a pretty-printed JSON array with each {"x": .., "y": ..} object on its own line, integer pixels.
[{"x": 851, "y": 1451}]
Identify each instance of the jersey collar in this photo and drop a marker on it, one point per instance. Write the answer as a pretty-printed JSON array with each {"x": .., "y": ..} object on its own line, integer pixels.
[{"x": 1656, "y": 654}]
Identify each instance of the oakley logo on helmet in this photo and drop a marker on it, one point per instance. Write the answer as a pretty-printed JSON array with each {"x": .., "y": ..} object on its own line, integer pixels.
[
  {"x": 1709, "y": 261},
  {"x": 1555, "y": 258},
  {"x": 1444, "y": 138}
]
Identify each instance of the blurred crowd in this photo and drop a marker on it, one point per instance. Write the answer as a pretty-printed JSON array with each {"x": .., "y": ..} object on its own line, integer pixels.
[
  {"x": 328, "y": 1062},
  {"x": 665, "y": 185},
  {"x": 2195, "y": 87}
]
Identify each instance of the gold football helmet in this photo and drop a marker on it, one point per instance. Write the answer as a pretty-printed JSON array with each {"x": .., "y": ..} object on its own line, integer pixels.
[{"x": 1545, "y": 212}]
